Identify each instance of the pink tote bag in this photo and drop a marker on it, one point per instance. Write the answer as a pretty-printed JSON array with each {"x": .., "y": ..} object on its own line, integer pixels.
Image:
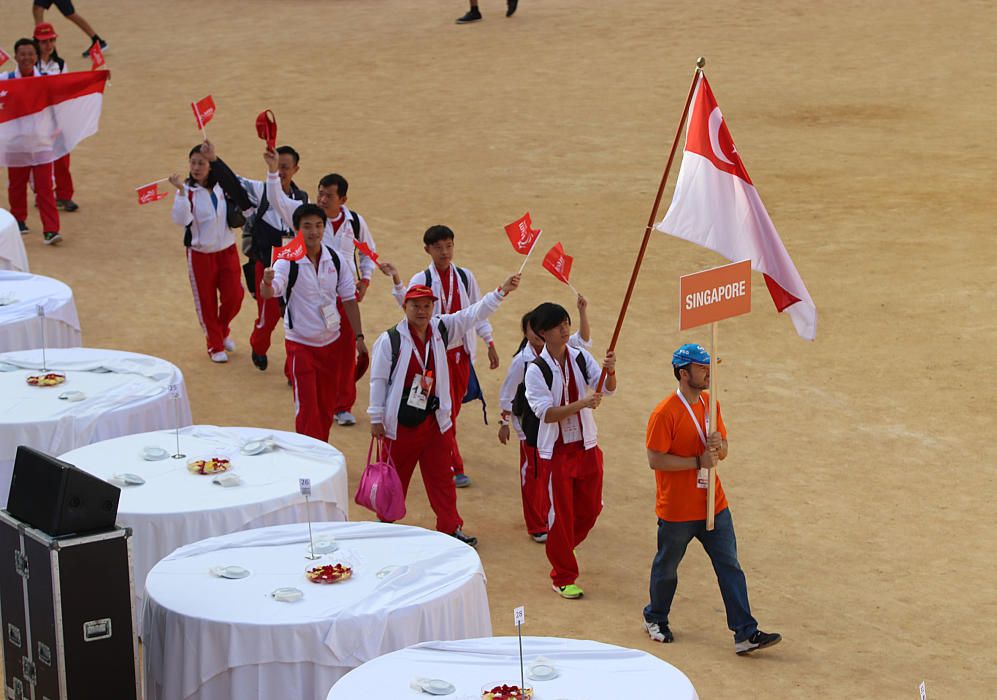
[{"x": 380, "y": 489}]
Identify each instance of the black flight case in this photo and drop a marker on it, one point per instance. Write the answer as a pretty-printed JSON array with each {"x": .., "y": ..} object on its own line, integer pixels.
[{"x": 66, "y": 614}]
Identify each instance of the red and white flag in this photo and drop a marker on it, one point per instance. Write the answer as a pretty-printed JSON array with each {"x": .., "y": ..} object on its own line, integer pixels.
[
  {"x": 150, "y": 193},
  {"x": 44, "y": 117},
  {"x": 365, "y": 250},
  {"x": 204, "y": 110},
  {"x": 715, "y": 205},
  {"x": 521, "y": 234},
  {"x": 558, "y": 263},
  {"x": 294, "y": 250},
  {"x": 4, "y": 56},
  {"x": 96, "y": 56}
]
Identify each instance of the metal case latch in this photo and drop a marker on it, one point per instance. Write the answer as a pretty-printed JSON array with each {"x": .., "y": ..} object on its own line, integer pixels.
[{"x": 20, "y": 563}]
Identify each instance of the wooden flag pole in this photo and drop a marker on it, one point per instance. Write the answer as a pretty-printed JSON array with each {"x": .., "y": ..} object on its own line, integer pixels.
[
  {"x": 712, "y": 424},
  {"x": 700, "y": 63},
  {"x": 532, "y": 248}
]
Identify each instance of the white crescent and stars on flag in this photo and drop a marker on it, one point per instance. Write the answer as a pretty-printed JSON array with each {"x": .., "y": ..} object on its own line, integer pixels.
[{"x": 708, "y": 135}]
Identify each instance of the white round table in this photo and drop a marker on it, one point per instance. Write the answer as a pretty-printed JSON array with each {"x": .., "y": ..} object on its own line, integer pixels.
[
  {"x": 586, "y": 670},
  {"x": 21, "y": 326},
  {"x": 175, "y": 507},
  {"x": 124, "y": 393},
  {"x": 211, "y": 638},
  {"x": 12, "y": 253}
]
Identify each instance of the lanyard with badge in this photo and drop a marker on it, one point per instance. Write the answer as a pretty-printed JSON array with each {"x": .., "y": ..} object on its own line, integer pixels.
[
  {"x": 422, "y": 384},
  {"x": 571, "y": 427},
  {"x": 447, "y": 300},
  {"x": 702, "y": 474}
]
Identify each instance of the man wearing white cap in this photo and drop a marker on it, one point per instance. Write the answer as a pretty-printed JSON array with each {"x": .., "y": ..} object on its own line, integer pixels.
[{"x": 682, "y": 445}]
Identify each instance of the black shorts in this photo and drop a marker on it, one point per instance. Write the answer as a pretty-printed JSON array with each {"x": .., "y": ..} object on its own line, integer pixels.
[{"x": 65, "y": 6}]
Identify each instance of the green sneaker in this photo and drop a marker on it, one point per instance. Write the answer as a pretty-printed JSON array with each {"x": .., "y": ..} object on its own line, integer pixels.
[{"x": 571, "y": 591}]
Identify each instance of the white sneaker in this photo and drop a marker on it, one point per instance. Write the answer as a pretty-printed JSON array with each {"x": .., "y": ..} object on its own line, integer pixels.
[
  {"x": 219, "y": 357},
  {"x": 229, "y": 344},
  {"x": 345, "y": 418}
]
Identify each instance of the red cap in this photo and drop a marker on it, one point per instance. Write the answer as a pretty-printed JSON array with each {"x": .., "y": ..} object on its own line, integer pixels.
[
  {"x": 419, "y": 291},
  {"x": 45, "y": 30}
]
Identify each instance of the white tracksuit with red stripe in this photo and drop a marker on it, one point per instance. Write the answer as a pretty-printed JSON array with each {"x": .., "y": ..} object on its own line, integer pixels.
[{"x": 212, "y": 260}]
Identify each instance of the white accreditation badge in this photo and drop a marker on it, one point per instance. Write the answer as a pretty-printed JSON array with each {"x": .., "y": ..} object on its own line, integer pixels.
[
  {"x": 702, "y": 478},
  {"x": 331, "y": 316},
  {"x": 422, "y": 384}
]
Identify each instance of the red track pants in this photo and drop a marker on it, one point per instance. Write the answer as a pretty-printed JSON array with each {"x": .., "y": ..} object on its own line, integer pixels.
[
  {"x": 576, "y": 501},
  {"x": 63, "y": 178},
  {"x": 268, "y": 314},
  {"x": 424, "y": 444},
  {"x": 216, "y": 280},
  {"x": 346, "y": 363},
  {"x": 534, "y": 476},
  {"x": 313, "y": 379},
  {"x": 459, "y": 363},
  {"x": 17, "y": 193}
]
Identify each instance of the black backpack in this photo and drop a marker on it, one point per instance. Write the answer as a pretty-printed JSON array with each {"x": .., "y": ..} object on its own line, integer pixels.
[
  {"x": 292, "y": 277},
  {"x": 407, "y": 415},
  {"x": 528, "y": 420}
]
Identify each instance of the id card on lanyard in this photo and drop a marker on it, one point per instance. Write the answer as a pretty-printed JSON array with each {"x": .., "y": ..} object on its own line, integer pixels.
[
  {"x": 422, "y": 384},
  {"x": 703, "y": 474}
]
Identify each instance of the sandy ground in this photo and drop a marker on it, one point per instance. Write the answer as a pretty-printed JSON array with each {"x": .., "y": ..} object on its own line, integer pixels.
[{"x": 861, "y": 472}]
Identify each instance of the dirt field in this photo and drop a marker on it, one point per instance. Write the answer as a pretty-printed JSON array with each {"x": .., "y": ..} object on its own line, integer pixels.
[{"x": 863, "y": 125}]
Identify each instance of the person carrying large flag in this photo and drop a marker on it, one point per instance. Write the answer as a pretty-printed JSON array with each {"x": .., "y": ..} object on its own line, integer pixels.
[
  {"x": 42, "y": 118},
  {"x": 716, "y": 205}
]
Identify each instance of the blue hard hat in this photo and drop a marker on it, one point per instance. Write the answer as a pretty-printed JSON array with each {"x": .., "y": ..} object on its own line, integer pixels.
[{"x": 690, "y": 353}]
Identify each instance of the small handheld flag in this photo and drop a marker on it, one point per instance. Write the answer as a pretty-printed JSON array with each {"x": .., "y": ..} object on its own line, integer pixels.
[
  {"x": 150, "y": 193},
  {"x": 96, "y": 56},
  {"x": 558, "y": 263},
  {"x": 266, "y": 128},
  {"x": 521, "y": 234},
  {"x": 294, "y": 250},
  {"x": 204, "y": 111},
  {"x": 4, "y": 56},
  {"x": 365, "y": 249}
]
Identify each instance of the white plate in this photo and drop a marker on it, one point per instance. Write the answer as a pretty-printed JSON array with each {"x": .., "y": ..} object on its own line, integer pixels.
[
  {"x": 435, "y": 686},
  {"x": 323, "y": 546},
  {"x": 72, "y": 396},
  {"x": 542, "y": 672},
  {"x": 254, "y": 447},
  {"x": 288, "y": 595},
  {"x": 7, "y": 300},
  {"x": 233, "y": 572},
  {"x": 154, "y": 454}
]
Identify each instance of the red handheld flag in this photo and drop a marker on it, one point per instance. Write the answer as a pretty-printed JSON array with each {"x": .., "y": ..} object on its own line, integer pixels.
[
  {"x": 204, "y": 110},
  {"x": 365, "y": 249},
  {"x": 266, "y": 128},
  {"x": 558, "y": 263},
  {"x": 150, "y": 193},
  {"x": 96, "y": 56},
  {"x": 294, "y": 250},
  {"x": 521, "y": 234},
  {"x": 4, "y": 56}
]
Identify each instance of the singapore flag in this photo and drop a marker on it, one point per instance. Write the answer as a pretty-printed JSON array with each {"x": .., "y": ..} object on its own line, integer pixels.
[
  {"x": 42, "y": 118},
  {"x": 715, "y": 205}
]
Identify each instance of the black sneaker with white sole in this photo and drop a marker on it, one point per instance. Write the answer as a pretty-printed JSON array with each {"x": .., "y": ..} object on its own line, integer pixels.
[
  {"x": 51, "y": 238},
  {"x": 22, "y": 226},
  {"x": 97, "y": 40},
  {"x": 759, "y": 640},
  {"x": 260, "y": 361},
  {"x": 472, "y": 15},
  {"x": 466, "y": 539},
  {"x": 658, "y": 632}
]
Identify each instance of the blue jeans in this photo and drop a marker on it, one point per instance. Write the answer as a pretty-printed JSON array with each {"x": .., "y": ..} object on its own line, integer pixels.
[{"x": 721, "y": 546}]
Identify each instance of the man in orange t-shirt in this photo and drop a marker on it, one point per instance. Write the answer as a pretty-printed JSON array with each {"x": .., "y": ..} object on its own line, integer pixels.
[{"x": 681, "y": 449}]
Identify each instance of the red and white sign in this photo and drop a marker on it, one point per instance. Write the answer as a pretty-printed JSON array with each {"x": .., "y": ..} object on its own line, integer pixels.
[
  {"x": 204, "y": 110},
  {"x": 150, "y": 193},
  {"x": 44, "y": 117},
  {"x": 713, "y": 295},
  {"x": 294, "y": 250},
  {"x": 716, "y": 206},
  {"x": 558, "y": 263},
  {"x": 96, "y": 56},
  {"x": 521, "y": 234},
  {"x": 365, "y": 249},
  {"x": 4, "y": 56}
]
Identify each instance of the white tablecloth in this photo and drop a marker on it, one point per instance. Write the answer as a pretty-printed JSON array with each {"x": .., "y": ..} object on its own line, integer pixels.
[
  {"x": 125, "y": 393},
  {"x": 587, "y": 671},
  {"x": 175, "y": 507},
  {"x": 12, "y": 253},
  {"x": 218, "y": 639},
  {"x": 20, "y": 324}
]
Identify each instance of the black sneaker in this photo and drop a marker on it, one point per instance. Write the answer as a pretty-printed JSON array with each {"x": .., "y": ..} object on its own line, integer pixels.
[
  {"x": 469, "y": 541},
  {"x": 51, "y": 238},
  {"x": 97, "y": 40},
  {"x": 759, "y": 640},
  {"x": 658, "y": 632},
  {"x": 473, "y": 15},
  {"x": 67, "y": 205},
  {"x": 22, "y": 226},
  {"x": 260, "y": 361},
  {"x": 510, "y": 7}
]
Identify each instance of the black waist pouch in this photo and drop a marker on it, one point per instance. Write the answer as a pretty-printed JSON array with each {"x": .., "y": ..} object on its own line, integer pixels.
[{"x": 412, "y": 417}]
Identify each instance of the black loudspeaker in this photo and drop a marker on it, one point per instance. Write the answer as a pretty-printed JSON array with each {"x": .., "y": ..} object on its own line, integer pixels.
[{"x": 57, "y": 498}]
